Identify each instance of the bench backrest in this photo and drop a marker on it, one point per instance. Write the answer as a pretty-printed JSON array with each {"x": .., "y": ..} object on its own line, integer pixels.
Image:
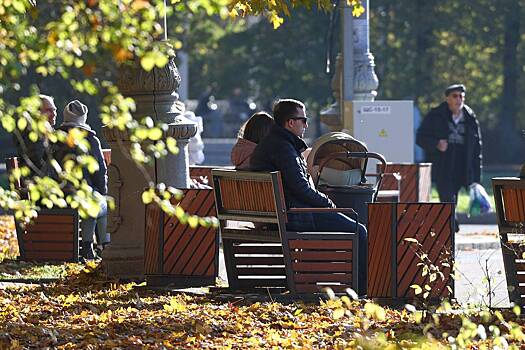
[
  {"x": 249, "y": 196},
  {"x": 509, "y": 197}
]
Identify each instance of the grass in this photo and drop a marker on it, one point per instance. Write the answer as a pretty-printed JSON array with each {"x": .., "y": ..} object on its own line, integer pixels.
[
  {"x": 463, "y": 199},
  {"x": 13, "y": 270}
]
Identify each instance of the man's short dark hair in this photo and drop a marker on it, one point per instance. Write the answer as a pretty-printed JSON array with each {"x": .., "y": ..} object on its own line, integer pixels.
[{"x": 286, "y": 109}]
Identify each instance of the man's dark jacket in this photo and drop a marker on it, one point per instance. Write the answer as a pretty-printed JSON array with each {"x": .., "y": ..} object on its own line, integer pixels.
[
  {"x": 434, "y": 128},
  {"x": 99, "y": 179},
  {"x": 32, "y": 154},
  {"x": 281, "y": 151}
]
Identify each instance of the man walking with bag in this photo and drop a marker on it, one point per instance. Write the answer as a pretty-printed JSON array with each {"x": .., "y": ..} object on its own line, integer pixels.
[{"x": 451, "y": 138}]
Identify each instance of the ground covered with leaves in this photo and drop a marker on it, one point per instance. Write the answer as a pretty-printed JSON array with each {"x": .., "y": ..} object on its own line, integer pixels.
[{"x": 77, "y": 306}]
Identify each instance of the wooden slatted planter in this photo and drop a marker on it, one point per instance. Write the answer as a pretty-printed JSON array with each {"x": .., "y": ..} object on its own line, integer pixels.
[
  {"x": 509, "y": 197},
  {"x": 393, "y": 261},
  {"x": 174, "y": 252},
  {"x": 415, "y": 183}
]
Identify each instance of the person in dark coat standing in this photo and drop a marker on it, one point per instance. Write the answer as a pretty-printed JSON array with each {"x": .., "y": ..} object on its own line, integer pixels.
[
  {"x": 281, "y": 150},
  {"x": 451, "y": 138}
]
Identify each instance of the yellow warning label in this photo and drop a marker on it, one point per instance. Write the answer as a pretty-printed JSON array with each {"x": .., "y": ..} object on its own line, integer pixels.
[{"x": 383, "y": 133}]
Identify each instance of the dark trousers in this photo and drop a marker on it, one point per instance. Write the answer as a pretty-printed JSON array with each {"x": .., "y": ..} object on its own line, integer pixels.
[
  {"x": 336, "y": 222},
  {"x": 448, "y": 192}
]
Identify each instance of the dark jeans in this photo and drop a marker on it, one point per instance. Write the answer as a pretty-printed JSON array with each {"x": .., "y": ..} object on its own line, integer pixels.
[{"x": 335, "y": 222}]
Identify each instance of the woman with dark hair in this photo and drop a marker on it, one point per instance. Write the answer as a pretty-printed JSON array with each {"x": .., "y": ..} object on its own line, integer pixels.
[{"x": 250, "y": 134}]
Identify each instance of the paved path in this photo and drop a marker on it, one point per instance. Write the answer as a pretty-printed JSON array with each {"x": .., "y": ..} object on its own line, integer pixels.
[
  {"x": 476, "y": 268},
  {"x": 477, "y": 237}
]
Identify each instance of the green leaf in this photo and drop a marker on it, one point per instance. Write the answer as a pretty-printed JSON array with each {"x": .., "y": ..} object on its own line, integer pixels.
[
  {"x": 147, "y": 62},
  {"x": 155, "y": 134},
  {"x": 147, "y": 197},
  {"x": 19, "y": 6}
]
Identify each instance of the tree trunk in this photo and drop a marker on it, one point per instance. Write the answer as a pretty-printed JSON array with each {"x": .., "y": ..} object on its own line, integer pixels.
[
  {"x": 509, "y": 134},
  {"x": 423, "y": 64}
]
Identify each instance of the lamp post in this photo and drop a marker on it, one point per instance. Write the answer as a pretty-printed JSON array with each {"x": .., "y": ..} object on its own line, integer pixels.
[
  {"x": 359, "y": 78},
  {"x": 354, "y": 78}
]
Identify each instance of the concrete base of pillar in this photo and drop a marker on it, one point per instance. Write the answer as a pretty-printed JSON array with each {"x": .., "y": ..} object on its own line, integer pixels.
[{"x": 124, "y": 262}]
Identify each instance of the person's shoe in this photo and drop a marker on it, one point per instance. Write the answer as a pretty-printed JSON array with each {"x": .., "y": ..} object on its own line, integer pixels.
[
  {"x": 100, "y": 248},
  {"x": 87, "y": 251}
]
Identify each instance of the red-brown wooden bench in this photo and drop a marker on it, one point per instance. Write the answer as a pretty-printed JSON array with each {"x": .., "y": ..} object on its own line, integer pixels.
[
  {"x": 260, "y": 252},
  {"x": 52, "y": 236},
  {"x": 509, "y": 197}
]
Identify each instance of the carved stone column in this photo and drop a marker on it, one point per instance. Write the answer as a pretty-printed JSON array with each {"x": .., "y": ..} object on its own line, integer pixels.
[{"x": 155, "y": 95}]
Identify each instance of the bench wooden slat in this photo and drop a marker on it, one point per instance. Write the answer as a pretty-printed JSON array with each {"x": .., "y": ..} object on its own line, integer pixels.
[
  {"x": 251, "y": 235},
  {"x": 315, "y": 288},
  {"x": 320, "y": 244},
  {"x": 333, "y": 277},
  {"x": 50, "y": 256},
  {"x": 49, "y": 229},
  {"x": 258, "y": 249},
  {"x": 261, "y": 271},
  {"x": 321, "y": 255},
  {"x": 48, "y": 246},
  {"x": 58, "y": 237},
  {"x": 321, "y": 266},
  {"x": 251, "y": 284},
  {"x": 259, "y": 261},
  {"x": 54, "y": 219}
]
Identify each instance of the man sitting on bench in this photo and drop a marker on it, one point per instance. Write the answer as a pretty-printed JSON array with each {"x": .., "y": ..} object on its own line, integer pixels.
[
  {"x": 281, "y": 151},
  {"x": 34, "y": 153}
]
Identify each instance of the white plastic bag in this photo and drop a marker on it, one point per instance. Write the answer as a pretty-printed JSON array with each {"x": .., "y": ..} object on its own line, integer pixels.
[{"x": 479, "y": 200}]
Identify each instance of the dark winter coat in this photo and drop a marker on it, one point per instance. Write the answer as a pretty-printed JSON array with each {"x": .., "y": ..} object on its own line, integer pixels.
[
  {"x": 99, "y": 179},
  {"x": 34, "y": 152},
  {"x": 434, "y": 128},
  {"x": 281, "y": 151}
]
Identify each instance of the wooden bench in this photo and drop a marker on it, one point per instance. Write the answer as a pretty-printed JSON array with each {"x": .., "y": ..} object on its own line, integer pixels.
[
  {"x": 509, "y": 197},
  {"x": 54, "y": 234},
  {"x": 261, "y": 253}
]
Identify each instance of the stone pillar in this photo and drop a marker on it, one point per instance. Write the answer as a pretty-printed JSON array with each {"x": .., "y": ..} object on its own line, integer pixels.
[{"x": 155, "y": 95}]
